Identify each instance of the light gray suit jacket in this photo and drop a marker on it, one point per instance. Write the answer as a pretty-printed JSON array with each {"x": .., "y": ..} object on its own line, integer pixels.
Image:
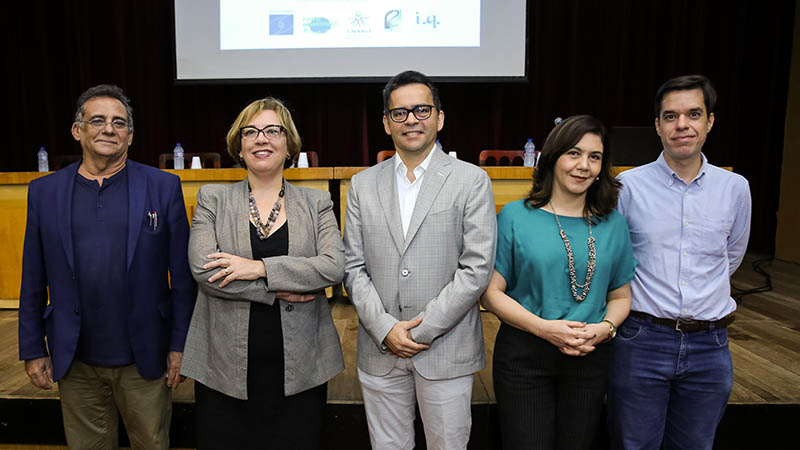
[
  {"x": 437, "y": 271},
  {"x": 216, "y": 347}
]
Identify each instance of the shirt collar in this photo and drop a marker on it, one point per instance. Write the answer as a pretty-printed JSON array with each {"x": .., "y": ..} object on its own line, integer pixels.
[
  {"x": 107, "y": 181},
  {"x": 400, "y": 167},
  {"x": 669, "y": 175}
]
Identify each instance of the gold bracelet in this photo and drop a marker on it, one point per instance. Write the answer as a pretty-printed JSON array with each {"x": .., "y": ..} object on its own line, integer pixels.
[{"x": 612, "y": 333}]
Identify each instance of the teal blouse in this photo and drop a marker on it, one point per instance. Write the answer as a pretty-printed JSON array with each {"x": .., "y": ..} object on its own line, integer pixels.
[{"x": 532, "y": 259}]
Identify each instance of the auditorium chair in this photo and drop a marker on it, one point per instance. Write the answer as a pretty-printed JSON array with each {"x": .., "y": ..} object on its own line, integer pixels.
[
  {"x": 385, "y": 154},
  {"x": 61, "y": 161},
  {"x": 501, "y": 158}
]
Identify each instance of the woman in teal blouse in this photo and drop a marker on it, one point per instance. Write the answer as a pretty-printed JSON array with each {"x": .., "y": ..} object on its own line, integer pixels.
[{"x": 561, "y": 286}]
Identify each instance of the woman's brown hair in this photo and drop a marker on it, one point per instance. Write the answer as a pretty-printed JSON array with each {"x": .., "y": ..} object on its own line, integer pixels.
[{"x": 601, "y": 197}]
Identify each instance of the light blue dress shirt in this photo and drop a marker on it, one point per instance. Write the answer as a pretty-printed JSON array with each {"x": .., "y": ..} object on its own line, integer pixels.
[{"x": 687, "y": 238}]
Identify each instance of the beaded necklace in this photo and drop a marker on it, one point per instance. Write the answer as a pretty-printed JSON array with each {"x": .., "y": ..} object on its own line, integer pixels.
[
  {"x": 263, "y": 229},
  {"x": 573, "y": 282}
]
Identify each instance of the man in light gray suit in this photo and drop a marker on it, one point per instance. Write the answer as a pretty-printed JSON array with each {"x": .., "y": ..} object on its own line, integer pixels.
[{"x": 420, "y": 240}]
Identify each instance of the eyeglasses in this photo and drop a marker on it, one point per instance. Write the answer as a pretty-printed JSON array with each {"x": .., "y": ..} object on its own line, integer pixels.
[
  {"x": 400, "y": 115},
  {"x": 271, "y": 132},
  {"x": 99, "y": 123}
]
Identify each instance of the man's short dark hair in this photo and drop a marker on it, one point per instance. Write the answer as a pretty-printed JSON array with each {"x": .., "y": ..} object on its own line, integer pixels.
[
  {"x": 104, "y": 90},
  {"x": 688, "y": 83},
  {"x": 409, "y": 77}
]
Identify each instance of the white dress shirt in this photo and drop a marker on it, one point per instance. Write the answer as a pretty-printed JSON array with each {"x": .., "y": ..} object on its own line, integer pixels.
[{"x": 407, "y": 191}]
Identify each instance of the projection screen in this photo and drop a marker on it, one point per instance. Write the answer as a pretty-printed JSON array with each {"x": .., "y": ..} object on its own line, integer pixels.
[{"x": 296, "y": 40}]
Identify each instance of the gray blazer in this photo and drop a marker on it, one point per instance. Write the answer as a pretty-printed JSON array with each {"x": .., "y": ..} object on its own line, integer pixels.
[
  {"x": 437, "y": 271},
  {"x": 216, "y": 347}
]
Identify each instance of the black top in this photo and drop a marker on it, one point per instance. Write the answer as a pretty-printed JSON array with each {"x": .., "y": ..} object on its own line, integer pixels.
[
  {"x": 265, "y": 369},
  {"x": 267, "y": 418}
]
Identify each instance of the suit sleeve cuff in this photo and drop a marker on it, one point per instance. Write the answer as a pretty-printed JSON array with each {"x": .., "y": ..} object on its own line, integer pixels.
[
  {"x": 383, "y": 330},
  {"x": 419, "y": 335}
]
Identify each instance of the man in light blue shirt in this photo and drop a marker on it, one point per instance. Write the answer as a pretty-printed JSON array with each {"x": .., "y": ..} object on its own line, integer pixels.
[{"x": 689, "y": 221}]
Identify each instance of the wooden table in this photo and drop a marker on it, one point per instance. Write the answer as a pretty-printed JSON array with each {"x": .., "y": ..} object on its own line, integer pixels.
[
  {"x": 191, "y": 180},
  {"x": 14, "y": 202},
  {"x": 509, "y": 184}
]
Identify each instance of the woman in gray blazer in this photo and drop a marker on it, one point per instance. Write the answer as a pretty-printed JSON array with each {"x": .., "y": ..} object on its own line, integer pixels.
[{"x": 262, "y": 344}]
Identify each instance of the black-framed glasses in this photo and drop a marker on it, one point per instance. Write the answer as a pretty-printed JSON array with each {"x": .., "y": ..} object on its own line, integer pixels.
[
  {"x": 400, "y": 115},
  {"x": 271, "y": 132},
  {"x": 98, "y": 123}
]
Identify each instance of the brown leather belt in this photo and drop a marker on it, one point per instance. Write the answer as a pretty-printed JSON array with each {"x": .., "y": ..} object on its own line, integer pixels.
[{"x": 687, "y": 325}]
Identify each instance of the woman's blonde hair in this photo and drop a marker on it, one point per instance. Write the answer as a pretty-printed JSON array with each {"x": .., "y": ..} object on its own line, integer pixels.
[{"x": 234, "y": 139}]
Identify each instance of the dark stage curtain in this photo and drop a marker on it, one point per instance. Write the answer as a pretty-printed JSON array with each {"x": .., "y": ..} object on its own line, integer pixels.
[{"x": 605, "y": 58}]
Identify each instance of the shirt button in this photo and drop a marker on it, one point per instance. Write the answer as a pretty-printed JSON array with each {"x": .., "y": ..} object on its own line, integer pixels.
[
  {"x": 685, "y": 253},
  {"x": 76, "y": 311},
  {"x": 683, "y": 282},
  {"x": 686, "y": 224},
  {"x": 290, "y": 308},
  {"x": 685, "y": 310},
  {"x": 404, "y": 273}
]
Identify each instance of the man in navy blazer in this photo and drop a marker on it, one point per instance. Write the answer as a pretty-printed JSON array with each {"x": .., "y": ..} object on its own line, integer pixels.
[{"x": 107, "y": 294}]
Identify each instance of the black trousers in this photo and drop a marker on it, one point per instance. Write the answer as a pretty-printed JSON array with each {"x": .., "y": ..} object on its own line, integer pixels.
[
  {"x": 295, "y": 423},
  {"x": 545, "y": 399}
]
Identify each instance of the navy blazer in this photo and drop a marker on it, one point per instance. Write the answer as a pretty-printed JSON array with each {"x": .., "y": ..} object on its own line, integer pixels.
[{"x": 162, "y": 291}]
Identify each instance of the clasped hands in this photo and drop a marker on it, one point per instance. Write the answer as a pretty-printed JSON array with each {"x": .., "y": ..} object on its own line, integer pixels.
[
  {"x": 574, "y": 338},
  {"x": 234, "y": 267},
  {"x": 399, "y": 341}
]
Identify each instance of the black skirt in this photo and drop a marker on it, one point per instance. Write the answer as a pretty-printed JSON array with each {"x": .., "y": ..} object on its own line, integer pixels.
[{"x": 267, "y": 419}]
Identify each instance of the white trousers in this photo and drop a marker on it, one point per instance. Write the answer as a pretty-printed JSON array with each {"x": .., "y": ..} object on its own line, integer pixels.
[{"x": 444, "y": 405}]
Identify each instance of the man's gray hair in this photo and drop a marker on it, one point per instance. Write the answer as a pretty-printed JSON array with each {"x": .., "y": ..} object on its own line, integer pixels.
[{"x": 104, "y": 90}]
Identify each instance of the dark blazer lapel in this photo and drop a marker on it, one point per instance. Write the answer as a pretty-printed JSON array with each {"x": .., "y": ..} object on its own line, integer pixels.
[
  {"x": 137, "y": 193},
  {"x": 66, "y": 186},
  {"x": 435, "y": 176},
  {"x": 240, "y": 209},
  {"x": 387, "y": 195}
]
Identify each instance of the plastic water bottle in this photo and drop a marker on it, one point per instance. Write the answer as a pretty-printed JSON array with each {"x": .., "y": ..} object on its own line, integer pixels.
[
  {"x": 177, "y": 156},
  {"x": 44, "y": 166},
  {"x": 530, "y": 154}
]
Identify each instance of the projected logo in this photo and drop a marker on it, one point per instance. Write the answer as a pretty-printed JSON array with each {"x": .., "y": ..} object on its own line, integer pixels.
[
  {"x": 392, "y": 19},
  {"x": 427, "y": 20},
  {"x": 359, "y": 24},
  {"x": 316, "y": 25},
  {"x": 281, "y": 24}
]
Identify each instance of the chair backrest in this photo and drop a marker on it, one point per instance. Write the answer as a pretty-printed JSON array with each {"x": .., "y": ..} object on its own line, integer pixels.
[
  {"x": 207, "y": 159},
  {"x": 61, "y": 161},
  {"x": 313, "y": 159},
  {"x": 501, "y": 158},
  {"x": 385, "y": 154}
]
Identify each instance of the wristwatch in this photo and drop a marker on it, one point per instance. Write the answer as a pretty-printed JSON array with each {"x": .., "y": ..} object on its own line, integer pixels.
[{"x": 613, "y": 329}]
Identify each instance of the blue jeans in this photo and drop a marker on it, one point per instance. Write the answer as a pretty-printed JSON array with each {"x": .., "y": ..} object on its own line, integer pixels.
[{"x": 667, "y": 385}]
